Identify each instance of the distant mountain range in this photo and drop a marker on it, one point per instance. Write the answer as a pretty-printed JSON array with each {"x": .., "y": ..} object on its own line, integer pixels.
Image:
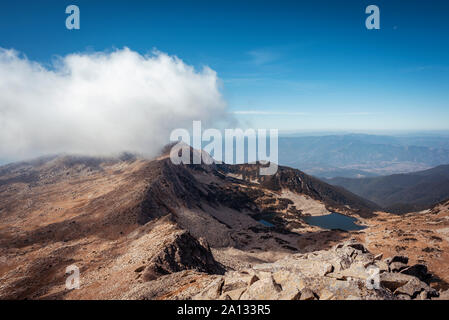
[
  {"x": 358, "y": 155},
  {"x": 361, "y": 155},
  {"x": 401, "y": 192}
]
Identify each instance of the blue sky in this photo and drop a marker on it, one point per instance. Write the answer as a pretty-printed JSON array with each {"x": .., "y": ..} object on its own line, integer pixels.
[{"x": 289, "y": 65}]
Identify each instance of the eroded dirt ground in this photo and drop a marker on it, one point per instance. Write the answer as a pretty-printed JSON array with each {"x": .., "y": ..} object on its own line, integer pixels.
[{"x": 421, "y": 236}]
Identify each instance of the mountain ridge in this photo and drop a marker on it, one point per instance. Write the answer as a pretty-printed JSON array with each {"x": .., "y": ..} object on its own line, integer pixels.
[{"x": 401, "y": 193}]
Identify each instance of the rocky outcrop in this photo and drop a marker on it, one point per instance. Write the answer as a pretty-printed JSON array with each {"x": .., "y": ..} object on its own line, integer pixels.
[
  {"x": 183, "y": 253},
  {"x": 347, "y": 271},
  {"x": 407, "y": 282}
]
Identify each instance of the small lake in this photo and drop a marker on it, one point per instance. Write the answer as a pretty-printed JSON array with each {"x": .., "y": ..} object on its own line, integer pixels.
[
  {"x": 266, "y": 223},
  {"x": 334, "y": 221}
]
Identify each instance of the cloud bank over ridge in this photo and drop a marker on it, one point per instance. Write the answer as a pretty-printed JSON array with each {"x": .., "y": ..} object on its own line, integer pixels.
[{"x": 101, "y": 103}]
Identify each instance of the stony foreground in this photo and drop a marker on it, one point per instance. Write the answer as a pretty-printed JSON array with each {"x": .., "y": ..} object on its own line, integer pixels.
[{"x": 347, "y": 271}]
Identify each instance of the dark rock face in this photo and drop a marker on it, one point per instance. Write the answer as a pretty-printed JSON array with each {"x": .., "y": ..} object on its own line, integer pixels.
[
  {"x": 184, "y": 253},
  {"x": 299, "y": 182}
]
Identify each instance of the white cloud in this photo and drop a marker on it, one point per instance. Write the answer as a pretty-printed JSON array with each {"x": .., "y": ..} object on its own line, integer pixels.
[{"x": 101, "y": 103}]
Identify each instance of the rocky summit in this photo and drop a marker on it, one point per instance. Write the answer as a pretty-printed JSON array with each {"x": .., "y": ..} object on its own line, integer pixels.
[{"x": 148, "y": 229}]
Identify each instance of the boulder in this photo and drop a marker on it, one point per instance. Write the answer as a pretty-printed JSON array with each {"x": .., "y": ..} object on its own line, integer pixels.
[
  {"x": 264, "y": 289},
  {"x": 291, "y": 284},
  {"x": 419, "y": 271},
  {"x": 290, "y": 293},
  {"x": 183, "y": 252},
  {"x": 382, "y": 265},
  {"x": 412, "y": 288},
  {"x": 233, "y": 283},
  {"x": 392, "y": 281},
  {"x": 286, "y": 278},
  {"x": 355, "y": 271},
  {"x": 342, "y": 262}
]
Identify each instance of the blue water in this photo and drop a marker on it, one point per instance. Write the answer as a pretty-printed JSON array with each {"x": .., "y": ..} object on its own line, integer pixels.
[
  {"x": 334, "y": 221},
  {"x": 266, "y": 223}
]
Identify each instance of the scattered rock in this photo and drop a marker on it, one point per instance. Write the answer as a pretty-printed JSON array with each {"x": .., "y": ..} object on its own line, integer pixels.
[
  {"x": 265, "y": 289},
  {"x": 337, "y": 274},
  {"x": 392, "y": 281}
]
